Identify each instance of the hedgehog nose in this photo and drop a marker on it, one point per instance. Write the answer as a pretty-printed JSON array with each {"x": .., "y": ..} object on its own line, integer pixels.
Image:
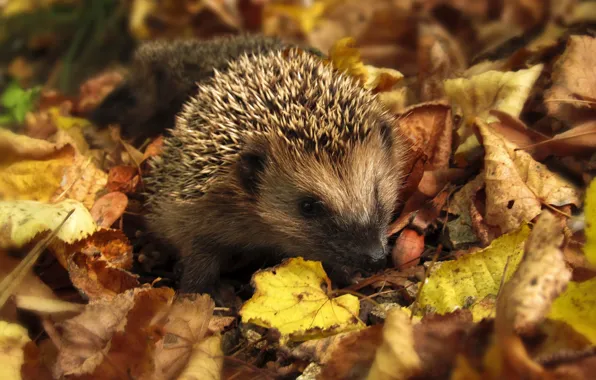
[{"x": 377, "y": 259}]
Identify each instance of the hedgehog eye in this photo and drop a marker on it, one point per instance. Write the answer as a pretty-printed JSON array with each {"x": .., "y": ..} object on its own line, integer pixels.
[{"x": 310, "y": 207}]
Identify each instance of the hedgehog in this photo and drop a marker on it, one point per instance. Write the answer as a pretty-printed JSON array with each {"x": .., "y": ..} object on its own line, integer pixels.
[
  {"x": 163, "y": 76},
  {"x": 277, "y": 154}
]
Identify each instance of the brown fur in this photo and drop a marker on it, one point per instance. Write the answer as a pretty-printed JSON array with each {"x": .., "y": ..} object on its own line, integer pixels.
[{"x": 232, "y": 176}]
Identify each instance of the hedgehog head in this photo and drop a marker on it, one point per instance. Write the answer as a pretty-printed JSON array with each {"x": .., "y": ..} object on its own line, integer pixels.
[{"x": 311, "y": 157}]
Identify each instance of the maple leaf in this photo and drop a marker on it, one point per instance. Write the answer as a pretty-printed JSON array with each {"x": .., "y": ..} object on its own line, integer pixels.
[
  {"x": 187, "y": 350},
  {"x": 293, "y": 298}
]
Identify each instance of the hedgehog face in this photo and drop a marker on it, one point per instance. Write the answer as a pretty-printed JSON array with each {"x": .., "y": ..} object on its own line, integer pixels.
[{"x": 329, "y": 208}]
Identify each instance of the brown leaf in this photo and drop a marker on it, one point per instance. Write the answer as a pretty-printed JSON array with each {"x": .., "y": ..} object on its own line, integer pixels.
[
  {"x": 579, "y": 141},
  {"x": 460, "y": 231},
  {"x": 354, "y": 355},
  {"x": 109, "y": 208},
  {"x": 124, "y": 179},
  {"x": 186, "y": 325},
  {"x": 574, "y": 81},
  {"x": 154, "y": 148},
  {"x": 98, "y": 265},
  {"x": 516, "y": 185},
  {"x": 430, "y": 127},
  {"x": 110, "y": 337}
]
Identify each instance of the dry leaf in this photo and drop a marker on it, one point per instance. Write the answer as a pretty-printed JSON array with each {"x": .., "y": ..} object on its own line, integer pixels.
[
  {"x": 397, "y": 357},
  {"x": 475, "y": 97},
  {"x": 109, "y": 208},
  {"x": 184, "y": 351},
  {"x": 516, "y": 185},
  {"x": 461, "y": 230},
  {"x": 574, "y": 81},
  {"x": 98, "y": 265},
  {"x": 541, "y": 276},
  {"x": 430, "y": 127},
  {"x": 110, "y": 336},
  {"x": 123, "y": 179}
]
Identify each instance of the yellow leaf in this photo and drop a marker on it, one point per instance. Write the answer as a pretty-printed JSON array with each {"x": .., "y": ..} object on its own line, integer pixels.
[
  {"x": 455, "y": 284},
  {"x": 35, "y": 179},
  {"x": 305, "y": 16},
  {"x": 21, "y": 221},
  {"x": 66, "y": 122},
  {"x": 475, "y": 97},
  {"x": 576, "y": 307},
  {"x": 12, "y": 340},
  {"x": 206, "y": 360},
  {"x": 396, "y": 358},
  {"x": 345, "y": 57},
  {"x": 293, "y": 298},
  {"x": 590, "y": 215}
]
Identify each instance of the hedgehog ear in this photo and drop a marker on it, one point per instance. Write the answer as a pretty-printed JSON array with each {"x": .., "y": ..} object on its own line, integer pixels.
[{"x": 250, "y": 167}]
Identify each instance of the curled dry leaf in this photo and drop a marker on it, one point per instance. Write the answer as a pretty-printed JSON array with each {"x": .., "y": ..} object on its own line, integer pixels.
[
  {"x": 21, "y": 221},
  {"x": 396, "y": 358},
  {"x": 430, "y": 127},
  {"x": 292, "y": 298},
  {"x": 516, "y": 185},
  {"x": 345, "y": 57},
  {"x": 540, "y": 277},
  {"x": 110, "y": 337},
  {"x": 458, "y": 283},
  {"x": 461, "y": 230},
  {"x": 109, "y": 208},
  {"x": 98, "y": 265},
  {"x": 474, "y": 97},
  {"x": 347, "y": 356}
]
